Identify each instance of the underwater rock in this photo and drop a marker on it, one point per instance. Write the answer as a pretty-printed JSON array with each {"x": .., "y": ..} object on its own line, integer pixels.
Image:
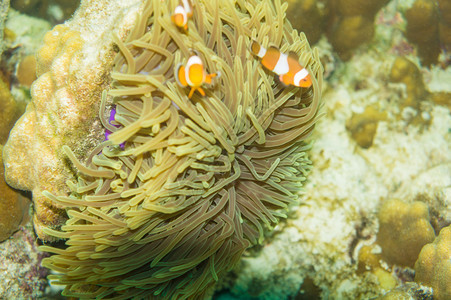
[
  {"x": 72, "y": 67},
  {"x": 22, "y": 275},
  {"x": 433, "y": 267},
  {"x": 403, "y": 230},
  {"x": 13, "y": 206}
]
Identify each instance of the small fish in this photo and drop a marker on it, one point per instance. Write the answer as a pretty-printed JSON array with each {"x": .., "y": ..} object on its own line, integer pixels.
[
  {"x": 193, "y": 74},
  {"x": 181, "y": 14},
  {"x": 287, "y": 66}
]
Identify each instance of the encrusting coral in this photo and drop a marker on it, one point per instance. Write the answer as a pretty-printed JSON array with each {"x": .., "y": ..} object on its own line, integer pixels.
[
  {"x": 181, "y": 187},
  {"x": 433, "y": 267}
]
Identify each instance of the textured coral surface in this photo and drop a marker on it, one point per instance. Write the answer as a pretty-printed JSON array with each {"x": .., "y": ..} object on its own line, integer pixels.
[
  {"x": 64, "y": 104},
  {"x": 13, "y": 206},
  {"x": 403, "y": 230},
  {"x": 433, "y": 267}
]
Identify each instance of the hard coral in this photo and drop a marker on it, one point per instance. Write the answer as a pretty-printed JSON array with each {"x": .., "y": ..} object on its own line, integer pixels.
[
  {"x": 72, "y": 68},
  {"x": 352, "y": 24},
  {"x": 10, "y": 111},
  {"x": 406, "y": 72},
  {"x": 13, "y": 206},
  {"x": 308, "y": 16},
  {"x": 429, "y": 27},
  {"x": 433, "y": 267},
  {"x": 403, "y": 230},
  {"x": 182, "y": 187},
  {"x": 363, "y": 126}
]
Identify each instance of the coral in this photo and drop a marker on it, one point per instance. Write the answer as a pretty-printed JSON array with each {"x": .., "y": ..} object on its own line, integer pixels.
[
  {"x": 405, "y": 71},
  {"x": 183, "y": 186},
  {"x": 429, "y": 28},
  {"x": 363, "y": 126},
  {"x": 433, "y": 267},
  {"x": 4, "y": 6},
  {"x": 352, "y": 24},
  {"x": 10, "y": 111},
  {"x": 370, "y": 260},
  {"x": 23, "y": 276},
  {"x": 55, "y": 10},
  {"x": 444, "y": 26},
  {"x": 72, "y": 68},
  {"x": 403, "y": 230},
  {"x": 26, "y": 70},
  {"x": 442, "y": 98},
  {"x": 408, "y": 291},
  {"x": 308, "y": 16},
  {"x": 13, "y": 206}
]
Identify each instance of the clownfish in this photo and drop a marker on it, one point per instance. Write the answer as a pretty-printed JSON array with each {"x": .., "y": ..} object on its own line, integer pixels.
[
  {"x": 181, "y": 14},
  {"x": 193, "y": 74},
  {"x": 286, "y": 66}
]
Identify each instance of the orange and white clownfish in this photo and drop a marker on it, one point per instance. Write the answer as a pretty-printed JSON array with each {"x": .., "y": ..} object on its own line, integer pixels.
[
  {"x": 286, "y": 66},
  {"x": 193, "y": 74},
  {"x": 181, "y": 14}
]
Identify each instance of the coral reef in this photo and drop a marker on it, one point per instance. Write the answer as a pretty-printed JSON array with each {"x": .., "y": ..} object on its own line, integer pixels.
[
  {"x": 13, "y": 206},
  {"x": 308, "y": 16},
  {"x": 363, "y": 126},
  {"x": 328, "y": 247},
  {"x": 429, "y": 28},
  {"x": 23, "y": 276},
  {"x": 406, "y": 72},
  {"x": 403, "y": 230},
  {"x": 72, "y": 66},
  {"x": 433, "y": 267},
  {"x": 183, "y": 186},
  {"x": 4, "y": 6},
  {"x": 408, "y": 291},
  {"x": 26, "y": 70},
  {"x": 352, "y": 24},
  {"x": 54, "y": 10},
  {"x": 322, "y": 238},
  {"x": 10, "y": 111}
]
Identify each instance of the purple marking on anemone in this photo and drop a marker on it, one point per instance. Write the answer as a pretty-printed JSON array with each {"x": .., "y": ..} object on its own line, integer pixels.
[{"x": 111, "y": 119}]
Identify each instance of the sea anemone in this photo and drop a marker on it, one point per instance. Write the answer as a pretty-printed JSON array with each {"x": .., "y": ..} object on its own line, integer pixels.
[{"x": 181, "y": 187}]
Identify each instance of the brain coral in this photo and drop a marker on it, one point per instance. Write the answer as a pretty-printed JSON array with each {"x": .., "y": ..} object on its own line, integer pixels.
[{"x": 182, "y": 186}]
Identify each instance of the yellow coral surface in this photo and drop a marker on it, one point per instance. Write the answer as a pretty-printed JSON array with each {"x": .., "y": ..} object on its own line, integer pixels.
[
  {"x": 433, "y": 267},
  {"x": 72, "y": 67},
  {"x": 403, "y": 230}
]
